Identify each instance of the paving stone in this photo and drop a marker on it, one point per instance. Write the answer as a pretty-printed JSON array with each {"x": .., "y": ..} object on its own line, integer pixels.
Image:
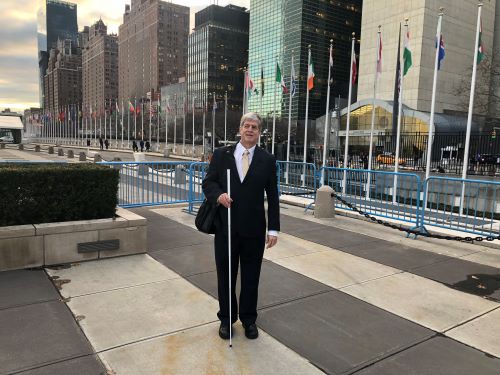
[
  {"x": 339, "y": 333},
  {"x": 200, "y": 351},
  {"x": 39, "y": 334},
  {"x": 420, "y": 300},
  {"x": 482, "y": 333},
  {"x": 108, "y": 274},
  {"x": 277, "y": 285},
  {"x": 438, "y": 355},
  {"x": 466, "y": 276},
  {"x": 188, "y": 260},
  {"x": 289, "y": 246},
  {"x": 160, "y": 238},
  {"x": 332, "y": 237},
  {"x": 122, "y": 316},
  {"x": 24, "y": 287},
  {"x": 336, "y": 268},
  {"x": 89, "y": 365}
]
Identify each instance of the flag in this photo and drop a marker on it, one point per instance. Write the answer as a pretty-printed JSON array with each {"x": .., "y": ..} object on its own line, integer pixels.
[
  {"x": 379, "y": 55},
  {"x": 330, "y": 65},
  {"x": 215, "y": 104},
  {"x": 397, "y": 81},
  {"x": 310, "y": 74},
  {"x": 138, "y": 109},
  {"x": 261, "y": 81},
  {"x": 130, "y": 107},
  {"x": 249, "y": 85},
  {"x": 407, "y": 62},
  {"x": 441, "y": 52},
  {"x": 280, "y": 79},
  {"x": 293, "y": 81},
  {"x": 354, "y": 70},
  {"x": 117, "y": 108},
  {"x": 480, "y": 47}
]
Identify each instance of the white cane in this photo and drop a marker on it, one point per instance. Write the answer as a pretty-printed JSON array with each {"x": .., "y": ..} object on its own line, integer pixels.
[{"x": 229, "y": 252}]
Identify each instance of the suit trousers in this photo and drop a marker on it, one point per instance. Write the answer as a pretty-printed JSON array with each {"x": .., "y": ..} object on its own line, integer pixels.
[{"x": 248, "y": 253}]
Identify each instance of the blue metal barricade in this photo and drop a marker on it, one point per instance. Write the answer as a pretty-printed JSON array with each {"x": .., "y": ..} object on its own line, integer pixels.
[
  {"x": 152, "y": 183},
  {"x": 197, "y": 173},
  {"x": 471, "y": 206},
  {"x": 297, "y": 179},
  {"x": 373, "y": 192}
]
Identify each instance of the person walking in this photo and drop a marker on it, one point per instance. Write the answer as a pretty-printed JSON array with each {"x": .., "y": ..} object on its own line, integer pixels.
[
  {"x": 141, "y": 143},
  {"x": 101, "y": 143},
  {"x": 134, "y": 146},
  {"x": 106, "y": 143},
  {"x": 148, "y": 145},
  {"x": 253, "y": 171}
]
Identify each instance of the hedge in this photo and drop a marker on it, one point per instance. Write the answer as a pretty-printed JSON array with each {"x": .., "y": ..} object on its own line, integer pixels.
[{"x": 46, "y": 193}]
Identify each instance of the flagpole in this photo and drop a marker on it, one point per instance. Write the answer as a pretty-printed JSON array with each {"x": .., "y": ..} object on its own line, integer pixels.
[
  {"x": 150, "y": 117},
  {"x": 123, "y": 114},
  {"x": 378, "y": 60},
  {"x": 192, "y": 152},
  {"x": 128, "y": 126},
  {"x": 184, "y": 110},
  {"x": 245, "y": 88},
  {"x": 471, "y": 107},
  {"x": 292, "y": 91},
  {"x": 398, "y": 130},
  {"x": 261, "y": 91},
  {"x": 213, "y": 123},
  {"x": 307, "y": 117},
  {"x": 135, "y": 118},
  {"x": 158, "y": 124},
  {"x": 325, "y": 137},
  {"x": 346, "y": 147},
  {"x": 175, "y": 126},
  {"x": 204, "y": 116},
  {"x": 274, "y": 106},
  {"x": 166, "y": 122},
  {"x": 142, "y": 119},
  {"x": 225, "y": 118},
  {"x": 105, "y": 120},
  {"x": 116, "y": 122},
  {"x": 433, "y": 100}
]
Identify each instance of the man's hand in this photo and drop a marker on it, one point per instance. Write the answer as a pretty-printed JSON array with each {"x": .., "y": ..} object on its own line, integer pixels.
[
  {"x": 224, "y": 200},
  {"x": 271, "y": 241}
]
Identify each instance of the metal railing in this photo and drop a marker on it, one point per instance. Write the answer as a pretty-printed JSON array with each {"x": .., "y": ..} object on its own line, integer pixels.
[
  {"x": 297, "y": 179},
  {"x": 197, "y": 171},
  {"x": 471, "y": 206}
]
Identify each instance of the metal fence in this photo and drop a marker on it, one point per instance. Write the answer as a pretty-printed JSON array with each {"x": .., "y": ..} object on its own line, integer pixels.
[
  {"x": 197, "y": 173},
  {"x": 297, "y": 179}
]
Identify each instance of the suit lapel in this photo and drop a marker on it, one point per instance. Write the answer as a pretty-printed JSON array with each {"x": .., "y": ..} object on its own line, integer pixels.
[{"x": 231, "y": 162}]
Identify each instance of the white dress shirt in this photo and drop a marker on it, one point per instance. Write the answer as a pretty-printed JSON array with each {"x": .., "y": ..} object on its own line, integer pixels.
[{"x": 238, "y": 157}]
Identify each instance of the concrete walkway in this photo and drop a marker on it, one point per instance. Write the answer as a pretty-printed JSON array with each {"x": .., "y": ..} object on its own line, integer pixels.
[{"x": 337, "y": 296}]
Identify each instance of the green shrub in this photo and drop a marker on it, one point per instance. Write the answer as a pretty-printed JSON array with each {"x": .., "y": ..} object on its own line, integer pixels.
[{"x": 45, "y": 193}]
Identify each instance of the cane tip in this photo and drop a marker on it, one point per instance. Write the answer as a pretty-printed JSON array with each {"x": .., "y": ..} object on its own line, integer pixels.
[{"x": 231, "y": 345}]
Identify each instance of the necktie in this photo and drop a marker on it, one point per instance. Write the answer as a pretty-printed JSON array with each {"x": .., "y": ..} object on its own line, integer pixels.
[{"x": 245, "y": 163}]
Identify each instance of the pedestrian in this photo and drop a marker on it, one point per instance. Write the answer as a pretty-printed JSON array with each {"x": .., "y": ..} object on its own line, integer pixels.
[
  {"x": 142, "y": 145},
  {"x": 88, "y": 142},
  {"x": 253, "y": 171},
  {"x": 148, "y": 145},
  {"x": 134, "y": 146},
  {"x": 106, "y": 143},
  {"x": 101, "y": 143}
]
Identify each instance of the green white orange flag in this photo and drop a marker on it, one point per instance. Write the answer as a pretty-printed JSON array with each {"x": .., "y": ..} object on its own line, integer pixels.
[
  {"x": 480, "y": 47},
  {"x": 131, "y": 107},
  {"x": 280, "y": 79},
  {"x": 407, "y": 62},
  {"x": 310, "y": 74}
]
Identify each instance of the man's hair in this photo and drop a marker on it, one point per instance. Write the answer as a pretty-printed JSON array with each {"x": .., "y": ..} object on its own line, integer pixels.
[{"x": 253, "y": 117}]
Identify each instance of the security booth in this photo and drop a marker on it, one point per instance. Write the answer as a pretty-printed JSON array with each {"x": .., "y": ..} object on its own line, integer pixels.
[{"x": 11, "y": 127}]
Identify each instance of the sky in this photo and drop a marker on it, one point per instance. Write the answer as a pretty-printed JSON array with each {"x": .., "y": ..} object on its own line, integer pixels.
[{"x": 18, "y": 46}]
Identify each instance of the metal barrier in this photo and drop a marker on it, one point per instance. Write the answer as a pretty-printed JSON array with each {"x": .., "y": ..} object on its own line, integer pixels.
[
  {"x": 471, "y": 206},
  {"x": 378, "y": 198},
  {"x": 151, "y": 183},
  {"x": 197, "y": 172},
  {"x": 295, "y": 178}
]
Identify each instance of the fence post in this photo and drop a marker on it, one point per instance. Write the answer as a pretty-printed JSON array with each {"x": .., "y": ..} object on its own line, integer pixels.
[{"x": 190, "y": 192}]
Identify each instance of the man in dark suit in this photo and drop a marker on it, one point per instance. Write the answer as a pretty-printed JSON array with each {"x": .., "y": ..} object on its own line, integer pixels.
[{"x": 253, "y": 171}]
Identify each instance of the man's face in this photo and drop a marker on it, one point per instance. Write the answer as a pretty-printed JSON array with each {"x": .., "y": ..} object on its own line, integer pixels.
[{"x": 249, "y": 132}]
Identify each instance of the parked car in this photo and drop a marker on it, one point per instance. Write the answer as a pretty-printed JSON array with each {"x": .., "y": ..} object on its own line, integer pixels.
[
  {"x": 7, "y": 139},
  {"x": 388, "y": 158}
]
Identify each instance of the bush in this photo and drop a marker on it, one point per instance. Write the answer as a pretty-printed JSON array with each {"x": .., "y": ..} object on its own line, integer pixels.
[{"x": 45, "y": 193}]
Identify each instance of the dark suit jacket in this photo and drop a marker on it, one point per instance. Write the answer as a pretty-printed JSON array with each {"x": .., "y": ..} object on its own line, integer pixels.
[{"x": 247, "y": 210}]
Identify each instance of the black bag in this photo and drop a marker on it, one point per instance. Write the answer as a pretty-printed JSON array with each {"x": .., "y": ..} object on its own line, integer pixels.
[{"x": 205, "y": 218}]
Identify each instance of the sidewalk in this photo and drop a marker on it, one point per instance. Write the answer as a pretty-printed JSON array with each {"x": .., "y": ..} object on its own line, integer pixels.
[{"x": 337, "y": 296}]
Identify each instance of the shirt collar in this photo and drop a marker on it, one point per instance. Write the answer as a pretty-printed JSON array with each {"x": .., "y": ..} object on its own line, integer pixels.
[{"x": 240, "y": 149}]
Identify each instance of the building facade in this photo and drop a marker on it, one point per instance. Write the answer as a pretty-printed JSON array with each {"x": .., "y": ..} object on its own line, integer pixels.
[
  {"x": 63, "y": 79},
  {"x": 100, "y": 68},
  {"x": 280, "y": 30},
  {"x": 152, "y": 47},
  {"x": 459, "y": 32},
  {"x": 55, "y": 20},
  {"x": 174, "y": 108}
]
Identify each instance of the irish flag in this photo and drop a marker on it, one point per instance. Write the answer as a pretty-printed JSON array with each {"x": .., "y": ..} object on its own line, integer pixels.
[
  {"x": 280, "y": 79},
  {"x": 131, "y": 107},
  {"x": 310, "y": 74},
  {"x": 406, "y": 54}
]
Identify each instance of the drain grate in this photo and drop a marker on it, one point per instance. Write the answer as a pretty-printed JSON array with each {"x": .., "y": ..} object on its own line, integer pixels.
[{"x": 92, "y": 247}]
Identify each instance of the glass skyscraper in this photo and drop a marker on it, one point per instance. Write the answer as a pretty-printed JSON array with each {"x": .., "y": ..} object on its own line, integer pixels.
[
  {"x": 281, "y": 29},
  {"x": 56, "y": 20}
]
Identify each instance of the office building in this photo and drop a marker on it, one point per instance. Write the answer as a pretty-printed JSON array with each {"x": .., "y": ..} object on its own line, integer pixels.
[
  {"x": 100, "y": 68},
  {"x": 282, "y": 29},
  {"x": 217, "y": 57},
  {"x": 152, "y": 47},
  {"x": 55, "y": 20}
]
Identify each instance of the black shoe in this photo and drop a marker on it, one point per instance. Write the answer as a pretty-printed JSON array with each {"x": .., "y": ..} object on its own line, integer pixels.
[
  {"x": 251, "y": 331},
  {"x": 224, "y": 331}
]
